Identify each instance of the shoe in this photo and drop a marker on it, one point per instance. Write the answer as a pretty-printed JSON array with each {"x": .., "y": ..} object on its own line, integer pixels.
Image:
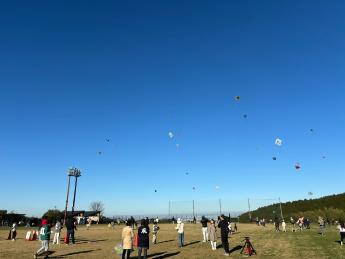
[
  {"x": 341, "y": 243},
  {"x": 35, "y": 255},
  {"x": 226, "y": 254}
]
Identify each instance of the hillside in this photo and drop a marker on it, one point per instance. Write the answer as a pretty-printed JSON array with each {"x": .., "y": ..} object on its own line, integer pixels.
[{"x": 331, "y": 207}]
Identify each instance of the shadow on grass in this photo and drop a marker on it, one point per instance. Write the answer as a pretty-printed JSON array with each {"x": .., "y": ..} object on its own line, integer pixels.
[
  {"x": 75, "y": 253},
  {"x": 166, "y": 255},
  {"x": 149, "y": 255},
  {"x": 165, "y": 241},
  {"x": 236, "y": 248},
  {"x": 192, "y": 243}
]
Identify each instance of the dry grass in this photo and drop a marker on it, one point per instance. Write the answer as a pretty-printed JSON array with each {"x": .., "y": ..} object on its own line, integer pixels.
[{"x": 99, "y": 241}]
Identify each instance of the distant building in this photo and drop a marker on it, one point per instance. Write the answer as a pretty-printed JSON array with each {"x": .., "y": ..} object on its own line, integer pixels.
[{"x": 7, "y": 219}]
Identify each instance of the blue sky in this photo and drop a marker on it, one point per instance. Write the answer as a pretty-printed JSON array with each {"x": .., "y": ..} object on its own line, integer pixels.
[{"x": 75, "y": 73}]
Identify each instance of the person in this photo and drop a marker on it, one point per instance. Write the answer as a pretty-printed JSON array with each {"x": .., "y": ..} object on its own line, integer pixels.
[
  {"x": 204, "y": 222},
  {"x": 57, "y": 232},
  {"x": 133, "y": 222},
  {"x": 276, "y": 224},
  {"x": 341, "y": 228},
  {"x": 155, "y": 232},
  {"x": 235, "y": 227},
  {"x": 321, "y": 222},
  {"x": 284, "y": 226},
  {"x": 14, "y": 231},
  {"x": 127, "y": 239},
  {"x": 212, "y": 234},
  {"x": 224, "y": 233},
  {"x": 180, "y": 232},
  {"x": 143, "y": 238},
  {"x": 88, "y": 224},
  {"x": 44, "y": 237},
  {"x": 71, "y": 226}
]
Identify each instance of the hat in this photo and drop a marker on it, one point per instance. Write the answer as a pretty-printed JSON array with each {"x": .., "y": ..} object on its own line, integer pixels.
[
  {"x": 44, "y": 222},
  {"x": 179, "y": 221}
]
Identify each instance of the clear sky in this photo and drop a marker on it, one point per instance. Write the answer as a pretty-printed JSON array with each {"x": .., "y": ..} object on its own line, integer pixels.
[{"x": 75, "y": 73}]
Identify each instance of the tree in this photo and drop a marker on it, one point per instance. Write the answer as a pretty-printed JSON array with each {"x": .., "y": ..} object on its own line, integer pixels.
[
  {"x": 53, "y": 214},
  {"x": 97, "y": 206}
]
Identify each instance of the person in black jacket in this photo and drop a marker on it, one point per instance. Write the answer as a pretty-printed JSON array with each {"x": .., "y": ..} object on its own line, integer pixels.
[
  {"x": 204, "y": 222},
  {"x": 71, "y": 226},
  {"x": 224, "y": 232},
  {"x": 143, "y": 238}
]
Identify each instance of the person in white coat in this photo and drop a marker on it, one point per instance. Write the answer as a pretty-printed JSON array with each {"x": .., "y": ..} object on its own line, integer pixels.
[
  {"x": 180, "y": 232},
  {"x": 57, "y": 232},
  {"x": 284, "y": 226}
]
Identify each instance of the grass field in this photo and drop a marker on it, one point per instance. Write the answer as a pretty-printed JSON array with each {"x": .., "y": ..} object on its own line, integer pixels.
[{"x": 99, "y": 241}]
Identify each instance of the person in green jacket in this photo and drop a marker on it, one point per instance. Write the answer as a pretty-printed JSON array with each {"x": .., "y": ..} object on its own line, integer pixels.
[{"x": 44, "y": 237}]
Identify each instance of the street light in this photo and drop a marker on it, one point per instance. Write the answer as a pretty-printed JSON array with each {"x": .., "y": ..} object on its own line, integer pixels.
[{"x": 75, "y": 172}]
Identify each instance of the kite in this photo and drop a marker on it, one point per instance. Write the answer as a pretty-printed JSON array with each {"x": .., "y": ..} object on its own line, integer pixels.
[
  {"x": 99, "y": 152},
  {"x": 193, "y": 188},
  {"x": 274, "y": 158},
  {"x": 278, "y": 142},
  {"x": 245, "y": 116},
  {"x": 312, "y": 130},
  {"x": 187, "y": 173},
  {"x": 108, "y": 140},
  {"x": 310, "y": 193},
  {"x": 155, "y": 190},
  {"x": 171, "y": 135},
  {"x": 237, "y": 98},
  {"x": 297, "y": 166},
  {"x": 323, "y": 157},
  {"x": 217, "y": 187}
]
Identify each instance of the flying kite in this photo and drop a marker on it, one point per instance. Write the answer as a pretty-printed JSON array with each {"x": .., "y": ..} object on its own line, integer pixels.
[
  {"x": 155, "y": 190},
  {"x": 245, "y": 116},
  {"x": 187, "y": 173},
  {"x": 99, "y": 152},
  {"x": 193, "y": 188},
  {"x": 310, "y": 193},
  {"x": 171, "y": 135},
  {"x": 108, "y": 140},
  {"x": 278, "y": 142},
  {"x": 274, "y": 158},
  {"x": 237, "y": 98},
  {"x": 217, "y": 187},
  {"x": 297, "y": 166},
  {"x": 312, "y": 130}
]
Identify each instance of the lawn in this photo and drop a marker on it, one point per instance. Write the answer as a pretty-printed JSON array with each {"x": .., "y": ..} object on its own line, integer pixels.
[{"x": 99, "y": 241}]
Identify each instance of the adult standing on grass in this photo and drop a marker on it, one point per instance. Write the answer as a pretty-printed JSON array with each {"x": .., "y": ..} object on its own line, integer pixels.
[
  {"x": 44, "y": 237},
  {"x": 57, "y": 232},
  {"x": 143, "y": 238},
  {"x": 71, "y": 226},
  {"x": 204, "y": 222},
  {"x": 284, "y": 226},
  {"x": 155, "y": 232},
  {"x": 180, "y": 232},
  {"x": 127, "y": 239},
  {"x": 212, "y": 234},
  {"x": 341, "y": 228},
  {"x": 224, "y": 233}
]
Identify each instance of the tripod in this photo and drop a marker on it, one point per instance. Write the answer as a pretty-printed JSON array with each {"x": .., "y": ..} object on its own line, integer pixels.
[{"x": 248, "y": 247}]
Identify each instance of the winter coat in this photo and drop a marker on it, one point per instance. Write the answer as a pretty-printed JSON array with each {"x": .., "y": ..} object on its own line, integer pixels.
[
  {"x": 127, "y": 238},
  {"x": 212, "y": 232},
  {"x": 143, "y": 236}
]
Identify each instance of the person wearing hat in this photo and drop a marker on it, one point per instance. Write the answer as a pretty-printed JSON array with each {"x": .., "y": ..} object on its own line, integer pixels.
[
  {"x": 224, "y": 233},
  {"x": 180, "y": 232},
  {"x": 44, "y": 237}
]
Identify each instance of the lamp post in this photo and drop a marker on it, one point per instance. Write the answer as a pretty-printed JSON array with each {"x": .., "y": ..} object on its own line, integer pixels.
[{"x": 76, "y": 173}]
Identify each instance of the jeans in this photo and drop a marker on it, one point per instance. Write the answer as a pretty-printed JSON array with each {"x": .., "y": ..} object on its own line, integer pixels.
[
  {"x": 342, "y": 236},
  {"x": 180, "y": 239},
  {"x": 140, "y": 249},
  {"x": 44, "y": 247},
  {"x": 225, "y": 243},
  {"x": 205, "y": 234}
]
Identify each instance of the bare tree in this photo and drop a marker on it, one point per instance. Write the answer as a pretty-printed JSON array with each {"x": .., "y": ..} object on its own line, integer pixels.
[{"x": 97, "y": 206}]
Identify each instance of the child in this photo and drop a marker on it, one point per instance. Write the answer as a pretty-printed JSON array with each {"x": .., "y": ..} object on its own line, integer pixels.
[
  {"x": 127, "y": 240},
  {"x": 14, "y": 231},
  {"x": 180, "y": 232},
  {"x": 284, "y": 226},
  {"x": 155, "y": 232},
  {"x": 57, "y": 232},
  {"x": 212, "y": 234},
  {"x": 341, "y": 228},
  {"x": 44, "y": 237}
]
